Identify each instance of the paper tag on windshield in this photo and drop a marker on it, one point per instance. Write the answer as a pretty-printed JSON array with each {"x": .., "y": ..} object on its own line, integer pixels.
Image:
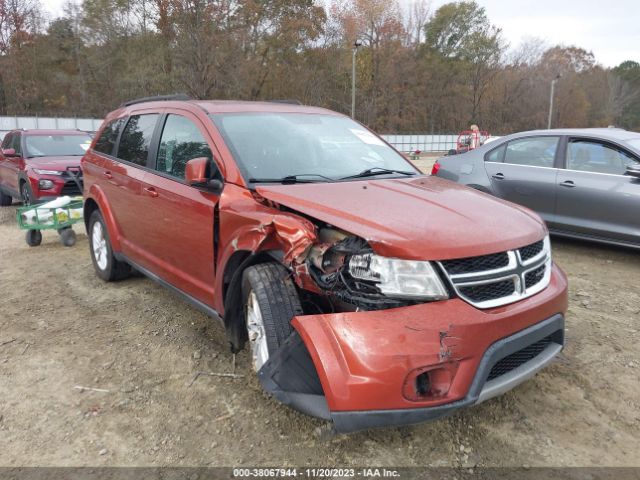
[{"x": 367, "y": 137}]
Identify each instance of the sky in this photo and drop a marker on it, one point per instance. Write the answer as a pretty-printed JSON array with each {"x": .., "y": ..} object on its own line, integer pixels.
[{"x": 608, "y": 28}]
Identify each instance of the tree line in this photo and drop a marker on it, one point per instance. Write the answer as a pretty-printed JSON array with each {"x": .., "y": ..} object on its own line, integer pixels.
[{"x": 418, "y": 70}]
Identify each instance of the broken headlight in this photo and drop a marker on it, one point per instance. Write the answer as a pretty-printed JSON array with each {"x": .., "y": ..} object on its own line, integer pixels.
[{"x": 398, "y": 278}]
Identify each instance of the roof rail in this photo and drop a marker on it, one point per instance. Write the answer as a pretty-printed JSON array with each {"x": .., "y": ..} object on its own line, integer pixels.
[
  {"x": 289, "y": 102},
  {"x": 158, "y": 98}
]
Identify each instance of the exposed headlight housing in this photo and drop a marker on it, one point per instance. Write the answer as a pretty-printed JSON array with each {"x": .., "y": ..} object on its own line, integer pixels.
[
  {"x": 47, "y": 172},
  {"x": 399, "y": 278}
]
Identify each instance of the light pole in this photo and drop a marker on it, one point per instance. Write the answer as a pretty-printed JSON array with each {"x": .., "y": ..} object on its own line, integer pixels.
[
  {"x": 553, "y": 88},
  {"x": 356, "y": 44}
]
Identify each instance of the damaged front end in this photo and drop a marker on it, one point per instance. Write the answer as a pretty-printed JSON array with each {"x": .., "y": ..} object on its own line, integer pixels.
[
  {"x": 386, "y": 341},
  {"x": 345, "y": 268}
]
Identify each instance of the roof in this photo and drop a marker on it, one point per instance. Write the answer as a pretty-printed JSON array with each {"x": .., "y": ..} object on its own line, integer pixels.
[
  {"x": 222, "y": 106},
  {"x": 233, "y": 106},
  {"x": 34, "y": 131},
  {"x": 605, "y": 133}
]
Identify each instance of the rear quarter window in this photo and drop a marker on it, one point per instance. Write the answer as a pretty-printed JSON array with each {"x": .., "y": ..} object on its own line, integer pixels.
[
  {"x": 108, "y": 137},
  {"x": 136, "y": 138},
  {"x": 496, "y": 155}
]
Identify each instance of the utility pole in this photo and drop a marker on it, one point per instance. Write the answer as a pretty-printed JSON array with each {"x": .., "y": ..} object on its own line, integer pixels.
[
  {"x": 553, "y": 88},
  {"x": 356, "y": 44}
]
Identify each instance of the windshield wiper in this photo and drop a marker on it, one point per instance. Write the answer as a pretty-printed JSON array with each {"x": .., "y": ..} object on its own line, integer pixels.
[
  {"x": 294, "y": 179},
  {"x": 370, "y": 172}
]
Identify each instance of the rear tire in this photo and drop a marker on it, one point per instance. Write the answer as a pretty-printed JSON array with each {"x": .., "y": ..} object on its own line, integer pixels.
[
  {"x": 5, "y": 200},
  {"x": 34, "y": 238},
  {"x": 107, "y": 267},
  {"x": 270, "y": 301}
]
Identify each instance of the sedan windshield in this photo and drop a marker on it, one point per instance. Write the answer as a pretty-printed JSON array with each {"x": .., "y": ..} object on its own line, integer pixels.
[
  {"x": 56, "y": 145},
  {"x": 293, "y": 147}
]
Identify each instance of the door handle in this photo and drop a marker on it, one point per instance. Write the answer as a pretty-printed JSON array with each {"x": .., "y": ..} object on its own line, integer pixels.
[
  {"x": 151, "y": 192},
  {"x": 568, "y": 184},
  {"x": 498, "y": 176},
  {"x": 108, "y": 175}
]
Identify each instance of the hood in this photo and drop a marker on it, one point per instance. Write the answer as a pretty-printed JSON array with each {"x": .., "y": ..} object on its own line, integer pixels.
[
  {"x": 54, "y": 163},
  {"x": 423, "y": 218}
]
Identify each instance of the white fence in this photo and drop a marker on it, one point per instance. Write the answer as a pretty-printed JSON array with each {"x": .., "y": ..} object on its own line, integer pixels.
[
  {"x": 46, "y": 123},
  {"x": 422, "y": 142},
  {"x": 404, "y": 143}
]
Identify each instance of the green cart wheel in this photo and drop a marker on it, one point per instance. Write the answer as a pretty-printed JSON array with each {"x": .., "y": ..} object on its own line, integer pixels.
[
  {"x": 34, "y": 238},
  {"x": 67, "y": 237}
]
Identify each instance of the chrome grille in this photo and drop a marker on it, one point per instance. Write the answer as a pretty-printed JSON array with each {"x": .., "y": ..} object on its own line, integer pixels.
[
  {"x": 531, "y": 251},
  {"x": 490, "y": 281}
]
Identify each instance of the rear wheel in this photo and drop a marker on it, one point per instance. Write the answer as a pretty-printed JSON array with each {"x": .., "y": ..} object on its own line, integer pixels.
[
  {"x": 5, "y": 200},
  {"x": 107, "y": 267},
  {"x": 270, "y": 302}
]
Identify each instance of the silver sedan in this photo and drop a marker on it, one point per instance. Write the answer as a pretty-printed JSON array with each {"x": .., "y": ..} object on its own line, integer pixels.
[{"x": 585, "y": 183}]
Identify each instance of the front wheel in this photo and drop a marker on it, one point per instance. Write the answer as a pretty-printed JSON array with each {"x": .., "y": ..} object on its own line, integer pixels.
[
  {"x": 26, "y": 194},
  {"x": 270, "y": 302},
  {"x": 107, "y": 267}
]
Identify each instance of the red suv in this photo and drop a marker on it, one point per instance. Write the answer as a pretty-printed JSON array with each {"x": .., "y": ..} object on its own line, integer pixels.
[
  {"x": 370, "y": 294},
  {"x": 38, "y": 165}
]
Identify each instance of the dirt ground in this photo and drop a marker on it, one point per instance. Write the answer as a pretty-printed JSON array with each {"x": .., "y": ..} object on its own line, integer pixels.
[{"x": 61, "y": 327}]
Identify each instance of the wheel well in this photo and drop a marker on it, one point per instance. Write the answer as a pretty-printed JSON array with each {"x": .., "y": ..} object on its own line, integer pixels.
[
  {"x": 90, "y": 206},
  {"x": 232, "y": 292}
]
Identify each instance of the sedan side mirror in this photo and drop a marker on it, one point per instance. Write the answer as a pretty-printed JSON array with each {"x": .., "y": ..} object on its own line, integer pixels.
[
  {"x": 9, "y": 152},
  {"x": 198, "y": 173},
  {"x": 633, "y": 170}
]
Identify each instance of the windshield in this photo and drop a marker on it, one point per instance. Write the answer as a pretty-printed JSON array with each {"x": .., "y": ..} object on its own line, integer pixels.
[
  {"x": 310, "y": 146},
  {"x": 56, "y": 145}
]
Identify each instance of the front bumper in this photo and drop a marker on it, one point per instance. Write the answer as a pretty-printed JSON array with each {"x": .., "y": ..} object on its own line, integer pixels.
[
  {"x": 480, "y": 389},
  {"x": 356, "y": 368}
]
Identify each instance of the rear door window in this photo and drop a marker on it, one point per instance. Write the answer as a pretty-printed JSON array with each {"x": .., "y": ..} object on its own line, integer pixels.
[
  {"x": 136, "y": 138},
  {"x": 532, "y": 151},
  {"x": 586, "y": 155},
  {"x": 180, "y": 142}
]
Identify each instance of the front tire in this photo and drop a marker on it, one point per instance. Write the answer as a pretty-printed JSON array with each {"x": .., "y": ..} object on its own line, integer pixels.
[
  {"x": 26, "y": 193},
  {"x": 270, "y": 301},
  {"x": 107, "y": 267}
]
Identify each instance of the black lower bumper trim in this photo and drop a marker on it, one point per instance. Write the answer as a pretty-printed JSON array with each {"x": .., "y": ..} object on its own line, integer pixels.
[{"x": 365, "y": 419}]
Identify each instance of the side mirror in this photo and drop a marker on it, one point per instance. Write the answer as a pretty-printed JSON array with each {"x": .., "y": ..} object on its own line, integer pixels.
[
  {"x": 9, "y": 152},
  {"x": 633, "y": 170},
  {"x": 198, "y": 174}
]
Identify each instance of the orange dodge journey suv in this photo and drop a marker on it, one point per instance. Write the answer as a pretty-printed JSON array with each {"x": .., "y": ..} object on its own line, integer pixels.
[{"x": 369, "y": 294}]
